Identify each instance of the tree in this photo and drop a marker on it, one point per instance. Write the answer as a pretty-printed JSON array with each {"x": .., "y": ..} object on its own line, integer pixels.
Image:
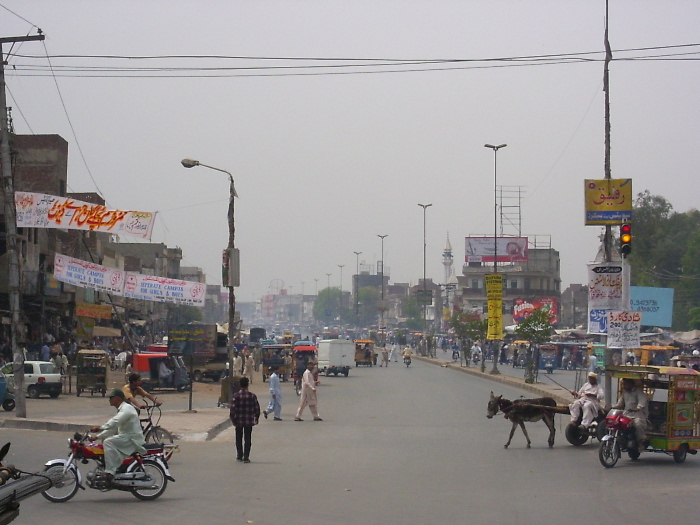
[
  {"x": 468, "y": 327},
  {"x": 661, "y": 241},
  {"x": 412, "y": 312},
  {"x": 536, "y": 328},
  {"x": 368, "y": 298},
  {"x": 327, "y": 305}
]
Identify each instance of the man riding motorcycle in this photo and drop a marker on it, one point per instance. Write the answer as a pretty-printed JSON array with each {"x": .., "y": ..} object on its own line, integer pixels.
[
  {"x": 634, "y": 403},
  {"x": 589, "y": 397},
  {"x": 121, "y": 435}
]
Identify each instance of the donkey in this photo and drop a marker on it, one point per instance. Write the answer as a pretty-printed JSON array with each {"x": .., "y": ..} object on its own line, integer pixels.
[{"x": 522, "y": 410}]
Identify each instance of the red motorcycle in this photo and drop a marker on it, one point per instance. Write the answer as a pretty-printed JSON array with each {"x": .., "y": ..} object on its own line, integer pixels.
[
  {"x": 620, "y": 437},
  {"x": 145, "y": 476}
]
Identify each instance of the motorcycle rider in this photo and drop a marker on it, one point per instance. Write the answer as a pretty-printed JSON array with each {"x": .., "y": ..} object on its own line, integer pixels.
[
  {"x": 121, "y": 435},
  {"x": 634, "y": 403},
  {"x": 589, "y": 397},
  {"x": 406, "y": 354}
]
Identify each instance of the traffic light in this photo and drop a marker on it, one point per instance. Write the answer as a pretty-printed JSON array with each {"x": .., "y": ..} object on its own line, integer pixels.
[{"x": 625, "y": 239}]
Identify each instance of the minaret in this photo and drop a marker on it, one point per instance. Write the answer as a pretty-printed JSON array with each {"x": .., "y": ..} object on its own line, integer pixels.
[{"x": 447, "y": 260}]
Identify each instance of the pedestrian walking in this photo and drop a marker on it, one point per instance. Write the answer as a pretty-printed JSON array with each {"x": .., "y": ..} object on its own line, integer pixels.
[
  {"x": 248, "y": 367},
  {"x": 308, "y": 393},
  {"x": 394, "y": 352},
  {"x": 385, "y": 357},
  {"x": 244, "y": 413},
  {"x": 275, "y": 404}
]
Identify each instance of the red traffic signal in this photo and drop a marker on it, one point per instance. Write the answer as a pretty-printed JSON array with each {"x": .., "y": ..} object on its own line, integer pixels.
[{"x": 625, "y": 239}]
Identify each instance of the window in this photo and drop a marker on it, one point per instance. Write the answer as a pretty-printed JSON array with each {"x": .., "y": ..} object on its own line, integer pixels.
[
  {"x": 475, "y": 284},
  {"x": 514, "y": 284}
]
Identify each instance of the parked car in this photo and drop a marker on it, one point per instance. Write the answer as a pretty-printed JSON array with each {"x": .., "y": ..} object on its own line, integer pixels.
[{"x": 40, "y": 377}]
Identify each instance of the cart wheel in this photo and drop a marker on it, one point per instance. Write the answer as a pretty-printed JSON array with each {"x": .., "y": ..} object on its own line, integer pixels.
[
  {"x": 8, "y": 405},
  {"x": 633, "y": 453},
  {"x": 680, "y": 454},
  {"x": 573, "y": 435}
]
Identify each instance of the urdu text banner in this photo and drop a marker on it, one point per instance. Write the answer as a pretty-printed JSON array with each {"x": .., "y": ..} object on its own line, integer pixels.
[{"x": 37, "y": 210}]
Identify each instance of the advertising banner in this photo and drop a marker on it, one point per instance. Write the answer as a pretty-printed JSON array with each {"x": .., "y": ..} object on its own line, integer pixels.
[
  {"x": 128, "y": 284},
  {"x": 37, "y": 210},
  {"x": 88, "y": 275},
  {"x": 163, "y": 289},
  {"x": 608, "y": 201},
  {"x": 509, "y": 249},
  {"x": 656, "y": 304},
  {"x": 192, "y": 339},
  {"x": 494, "y": 302},
  {"x": 606, "y": 283},
  {"x": 96, "y": 311},
  {"x": 523, "y": 308},
  {"x": 623, "y": 329}
]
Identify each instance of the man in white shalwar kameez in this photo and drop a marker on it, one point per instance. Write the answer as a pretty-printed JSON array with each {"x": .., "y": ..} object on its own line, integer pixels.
[
  {"x": 589, "y": 397},
  {"x": 308, "y": 393},
  {"x": 121, "y": 435}
]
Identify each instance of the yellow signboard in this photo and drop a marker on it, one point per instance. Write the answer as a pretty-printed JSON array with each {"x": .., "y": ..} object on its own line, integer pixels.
[
  {"x": 494, "y": 285},
  {"x": 608, "y": 201},
  {"x": 495, "y": 319}
]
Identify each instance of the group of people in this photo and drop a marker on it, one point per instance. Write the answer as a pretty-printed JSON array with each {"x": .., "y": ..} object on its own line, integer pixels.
[{"x": 633, "y": 402}]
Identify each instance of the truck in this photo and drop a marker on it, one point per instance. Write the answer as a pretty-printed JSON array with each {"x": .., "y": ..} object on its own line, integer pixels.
[{"x": 335, "y": 356}]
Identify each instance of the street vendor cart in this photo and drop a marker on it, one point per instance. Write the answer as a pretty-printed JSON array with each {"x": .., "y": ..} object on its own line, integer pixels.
[{"x": 91, "y": 369}]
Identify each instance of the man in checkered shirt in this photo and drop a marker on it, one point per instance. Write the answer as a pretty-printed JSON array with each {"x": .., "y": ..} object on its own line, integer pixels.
[{"x": 245, "y": 413}]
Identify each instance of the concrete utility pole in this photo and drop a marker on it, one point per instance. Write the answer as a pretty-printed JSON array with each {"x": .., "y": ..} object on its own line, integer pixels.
[{"x": 8, "y": 187}]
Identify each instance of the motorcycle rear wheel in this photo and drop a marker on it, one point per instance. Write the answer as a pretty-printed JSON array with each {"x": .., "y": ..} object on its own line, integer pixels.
[
  {"x": 609, "y": 453},
  {"x": 63, "y": 489},
  {"x": 157, "y": 475}
]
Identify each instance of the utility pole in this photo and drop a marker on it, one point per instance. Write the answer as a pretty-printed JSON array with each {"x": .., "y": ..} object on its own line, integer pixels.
[{"x": 8, "y": 187}]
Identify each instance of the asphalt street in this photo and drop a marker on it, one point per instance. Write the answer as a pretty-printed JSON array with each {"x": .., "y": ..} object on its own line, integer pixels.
[{"x": 397, "y": 445}]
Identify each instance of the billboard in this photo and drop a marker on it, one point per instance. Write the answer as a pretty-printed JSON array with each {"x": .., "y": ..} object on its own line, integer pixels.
[
  {"x": 523, "y": 308},
  {"x": 608, "y": 201},
  {"x": 508, "y": 249},
  {"x": 606, "y": 282},
  {"x": 192, "y": 339},
  {"x": 656, "y": 305}
]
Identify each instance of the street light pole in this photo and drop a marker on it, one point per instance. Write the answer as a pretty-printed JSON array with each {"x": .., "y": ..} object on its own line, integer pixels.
[
  {"x": 381, "y": 306},
  {"x": 341, "y": 287},
  {"x": 495, "y": 149},
  {"x": 233, "y": 269},
  {"x": 425, "y": 320},
  {"x": 357, "y": 282}
]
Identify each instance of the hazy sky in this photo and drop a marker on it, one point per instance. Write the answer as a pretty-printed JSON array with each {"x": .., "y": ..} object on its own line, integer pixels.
[{"x": 324, "y": 162}]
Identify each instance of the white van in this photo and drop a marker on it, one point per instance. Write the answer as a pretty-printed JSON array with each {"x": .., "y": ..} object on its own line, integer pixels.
[{"x": 335, "y": 356}]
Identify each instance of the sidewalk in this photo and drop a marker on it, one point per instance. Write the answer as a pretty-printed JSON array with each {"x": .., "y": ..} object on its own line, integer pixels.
[{"x": 70, "y": 413}]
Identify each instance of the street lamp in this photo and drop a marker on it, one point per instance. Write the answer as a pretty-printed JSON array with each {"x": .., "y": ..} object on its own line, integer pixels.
[
  {"x": 357, "y": 281},
  {"x": 495, "y": 240},
  {"x": 425, "y": 321},
  {"x": 341, "y": 286},
  {"x": 382, "y": 308},
  {"x": 233, "y": 269}
]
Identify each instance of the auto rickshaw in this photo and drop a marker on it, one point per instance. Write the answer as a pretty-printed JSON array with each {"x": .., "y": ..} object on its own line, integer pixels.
[
  {"x": 274, "y": 355},
  {"x": 303, "y": 354},
  {"x": 364, "y": 352},
  {"x": 674, "y": 411},
  {"x": 91, "y": 370},
  {"x": 147, "y": 365}
]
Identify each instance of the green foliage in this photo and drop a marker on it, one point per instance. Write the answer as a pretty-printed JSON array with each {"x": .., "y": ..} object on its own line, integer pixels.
[
  {"x": 369, "y": 298},
  {"x": 327, "y": 305},
  {"x": 468, "y": 326},
  {"x": 694, "y": 323},
  {"x": 412, "y": 312},
  {"x": 189, "y": 314},
  {"x": 666, "y": 253},
  {"x": 537, "y": 329}
]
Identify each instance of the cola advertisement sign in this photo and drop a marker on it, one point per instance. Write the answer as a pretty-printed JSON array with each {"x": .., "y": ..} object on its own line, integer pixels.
[{"x": 523, "y": 308}]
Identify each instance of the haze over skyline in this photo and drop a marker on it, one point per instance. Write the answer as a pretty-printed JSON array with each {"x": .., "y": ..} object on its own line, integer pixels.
[{"x": 337, "y": 118}]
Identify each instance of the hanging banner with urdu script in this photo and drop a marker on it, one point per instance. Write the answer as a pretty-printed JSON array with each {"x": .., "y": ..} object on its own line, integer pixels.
[{"x": 37, "y": 210}]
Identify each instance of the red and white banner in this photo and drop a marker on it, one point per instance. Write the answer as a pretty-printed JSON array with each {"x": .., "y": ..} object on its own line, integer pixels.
[
  {"x": 507, "y": 249},
  {"x": 128, "y": 284},
  {"x": 37, "y": 210}
]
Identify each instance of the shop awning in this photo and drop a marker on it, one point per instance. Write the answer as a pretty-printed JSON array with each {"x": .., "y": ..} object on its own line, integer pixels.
[{"x": 104, "y": 331}]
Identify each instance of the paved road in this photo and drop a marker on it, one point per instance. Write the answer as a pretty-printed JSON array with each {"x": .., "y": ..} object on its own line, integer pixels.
[{"x": 397, "y": 445}]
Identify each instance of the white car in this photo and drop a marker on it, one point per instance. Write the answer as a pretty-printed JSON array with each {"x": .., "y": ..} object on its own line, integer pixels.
[{"x": 40, "y": 377}]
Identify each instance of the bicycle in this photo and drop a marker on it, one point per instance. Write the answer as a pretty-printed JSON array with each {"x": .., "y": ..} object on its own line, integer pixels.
[{"x": 154, "y": 433}]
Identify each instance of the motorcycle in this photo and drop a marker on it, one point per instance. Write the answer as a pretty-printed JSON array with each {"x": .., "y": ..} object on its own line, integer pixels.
[
  {"x": 620, "y": 437},
  {"x": 455, "y": 354},
  {"x": 145, "y": 476},
  {"x": 16, "y": 485},
  {"x": 476, "y": 358},
  {"x": 407, "y": 361}
]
